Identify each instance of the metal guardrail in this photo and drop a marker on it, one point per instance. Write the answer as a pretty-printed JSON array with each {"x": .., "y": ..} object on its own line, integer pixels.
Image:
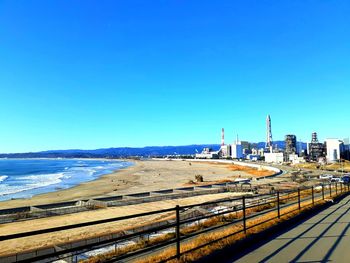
[{"x": 243, "y": 206}]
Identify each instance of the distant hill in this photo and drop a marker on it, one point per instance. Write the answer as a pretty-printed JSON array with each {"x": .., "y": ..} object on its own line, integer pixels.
[
  {"x": 115, "y": 152},
  {"x": 128, "y": 151},
  {"x": 282, "y": 145}
]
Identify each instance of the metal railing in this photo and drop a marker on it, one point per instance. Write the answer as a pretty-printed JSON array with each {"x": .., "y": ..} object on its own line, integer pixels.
[{"x": 181, "y": 225}]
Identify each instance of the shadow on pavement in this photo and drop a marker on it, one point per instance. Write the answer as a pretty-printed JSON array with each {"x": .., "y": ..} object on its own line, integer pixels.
[{"x": 255, "y": 241}]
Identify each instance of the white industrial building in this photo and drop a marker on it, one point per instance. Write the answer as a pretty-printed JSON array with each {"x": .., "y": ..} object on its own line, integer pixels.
[
  {"x": 295, "y": 159},
  {"x": 225, "y": 151},
  {"x": 274, "y": 157},
  {"x": 260, "y": 152},
  {"x": 335, "y": 147},
  {"x": 207, "y": 153},
  {"x": 237, "y": 150}
]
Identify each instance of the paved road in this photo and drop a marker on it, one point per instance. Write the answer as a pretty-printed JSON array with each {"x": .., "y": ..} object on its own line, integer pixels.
[{"x": 323, "y": 238}]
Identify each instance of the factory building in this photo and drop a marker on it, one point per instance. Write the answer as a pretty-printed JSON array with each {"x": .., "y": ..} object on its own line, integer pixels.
[
  {"x": 246, "y": 148},
  {"x": 237, "y": 150},
  {"x": 346, "y": 153},
  {"x": 295, "y": 159},
  {"x": 316, "y": 149},
  {"x": 225, "y": 151},
  {"x": 207, "y": 153},
  {"x": 335, "y": 149},
  {"x": 291, "y": 144},
  {"x": 260, "y": 152},
  {"x": 274, "y": 157}
]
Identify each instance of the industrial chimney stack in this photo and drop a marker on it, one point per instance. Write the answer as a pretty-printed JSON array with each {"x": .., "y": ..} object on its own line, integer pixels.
[
  {"x": 268, "y": 134},
  {"x": 222, "y": 137}
]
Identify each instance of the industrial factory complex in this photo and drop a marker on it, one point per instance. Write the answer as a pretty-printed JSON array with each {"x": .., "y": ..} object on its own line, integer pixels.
[{"x": 330, "y": 151}]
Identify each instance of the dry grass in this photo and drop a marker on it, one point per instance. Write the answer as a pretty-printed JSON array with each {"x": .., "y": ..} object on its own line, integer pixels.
[
  {"x": 313, "y": 166},
  {"x": 226, "y": 236},
  {"x": 191, "y": 183},
  {"x": 225, "y": 241},
  {"x": 334, "y": 166},
  {"x": 215, "y": 221},
  {"x": 249, "y": 170}
]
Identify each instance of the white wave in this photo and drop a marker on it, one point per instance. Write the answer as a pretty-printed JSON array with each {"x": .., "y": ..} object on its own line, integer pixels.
[
  {"x": 32, "y": 182},
  {"x": 3, "y": 178},
  {"x": 81, "y": 170}
]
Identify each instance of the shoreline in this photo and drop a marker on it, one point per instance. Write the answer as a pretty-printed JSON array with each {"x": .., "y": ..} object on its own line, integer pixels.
[
  {"x": 69, "y": 194},
  {"x": 141, "y": 176}
]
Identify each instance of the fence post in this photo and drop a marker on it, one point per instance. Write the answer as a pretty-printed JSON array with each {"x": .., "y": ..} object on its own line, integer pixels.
[
  {"x": 244, "y": 215},
  {"x": 313, "y": 196},
  {"x": 336, "y": 188},
  {"x": 348, "y": 187},
  {"x": 178, "y": 240},
  {"x": 330, "y": 190},
  {"x": 322, "y": 192},
  {"x": 341, "y": 187},
  {"x": 299, "y": 199},
  {"x": 278, "y": 205}
]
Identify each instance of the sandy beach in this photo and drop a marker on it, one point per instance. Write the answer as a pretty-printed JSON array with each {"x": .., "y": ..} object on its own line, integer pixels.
[{"x": 143, "y": 176}]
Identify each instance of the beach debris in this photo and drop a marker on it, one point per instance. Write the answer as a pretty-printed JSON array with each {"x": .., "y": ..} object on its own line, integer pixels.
[
  {"x": 191, "y": 182},
  {"x": 199, "y": 178}
]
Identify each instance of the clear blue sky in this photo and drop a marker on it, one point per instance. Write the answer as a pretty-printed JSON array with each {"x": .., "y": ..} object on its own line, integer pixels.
[{"x": 92, "y": 74}]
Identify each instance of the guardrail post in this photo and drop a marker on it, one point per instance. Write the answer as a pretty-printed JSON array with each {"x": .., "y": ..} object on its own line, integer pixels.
[
  {"x": 341, "y": 187},
  {"x": 322, "y": 192},
  {"x": 244, "y": 215},
  {"x": 330, "y": 190},
  {"x": 278, "y": 205},
  {"x": 299, "y": 199},
  {"x": 336, "y": 188},
  {"x": 178, "y": 238},
  {"x": 313, "y": 196}
]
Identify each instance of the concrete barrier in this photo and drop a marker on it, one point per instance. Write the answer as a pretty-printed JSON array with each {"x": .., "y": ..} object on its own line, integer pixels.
[
  {"x": 139, "y": 195},
  {"x": 185, "y": 189},
  {"x": 47, "y": 210},
  {"x": 109, "y": 198},
  {"x": 15, "y": 210},
  {"x": 166, "y": 191}
]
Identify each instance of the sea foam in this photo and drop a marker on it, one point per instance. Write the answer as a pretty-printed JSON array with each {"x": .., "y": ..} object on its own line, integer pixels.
[
  {"x": 31, "y": 182},
  {"x": 3, "y": 178}
]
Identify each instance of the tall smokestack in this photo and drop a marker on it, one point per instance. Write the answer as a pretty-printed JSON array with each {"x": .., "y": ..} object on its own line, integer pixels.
[
  {"x": 268, "y": 133},
  {"x": 222, "y": 136}
]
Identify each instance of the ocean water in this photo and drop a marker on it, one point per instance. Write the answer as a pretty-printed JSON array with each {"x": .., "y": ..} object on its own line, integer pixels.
[{"x": 23, "y": 178}]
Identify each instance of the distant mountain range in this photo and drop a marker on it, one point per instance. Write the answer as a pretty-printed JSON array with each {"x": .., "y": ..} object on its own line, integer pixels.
[{"x": 128, "y": 151}]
